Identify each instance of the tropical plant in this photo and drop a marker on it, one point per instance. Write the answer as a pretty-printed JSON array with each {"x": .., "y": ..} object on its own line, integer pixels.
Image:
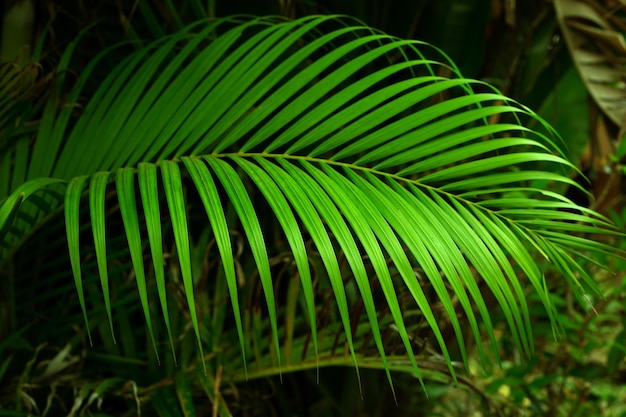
[{"x": 318, "y": 165}]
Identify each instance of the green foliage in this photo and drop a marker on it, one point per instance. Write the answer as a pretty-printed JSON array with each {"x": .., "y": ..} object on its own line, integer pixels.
[{"x": 271, "y": 196}]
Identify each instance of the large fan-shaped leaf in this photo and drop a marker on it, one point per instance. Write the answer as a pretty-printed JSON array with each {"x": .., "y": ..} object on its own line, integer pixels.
[{"x": 343, "y": 135}]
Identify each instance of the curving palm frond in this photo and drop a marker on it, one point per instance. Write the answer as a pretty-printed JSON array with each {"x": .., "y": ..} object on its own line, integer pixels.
[{"x": 360, "y": 146}]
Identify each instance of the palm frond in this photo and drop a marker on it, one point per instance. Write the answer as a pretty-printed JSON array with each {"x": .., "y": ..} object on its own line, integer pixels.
[{"x": 369, "y": 146}]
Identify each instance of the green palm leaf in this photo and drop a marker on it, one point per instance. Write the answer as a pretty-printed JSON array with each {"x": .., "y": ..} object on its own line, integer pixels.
[{"x": 352, "y": 139}]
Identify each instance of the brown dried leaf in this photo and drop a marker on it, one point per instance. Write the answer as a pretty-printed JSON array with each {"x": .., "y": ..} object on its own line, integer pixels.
[{"x": 599, "y": 52}]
